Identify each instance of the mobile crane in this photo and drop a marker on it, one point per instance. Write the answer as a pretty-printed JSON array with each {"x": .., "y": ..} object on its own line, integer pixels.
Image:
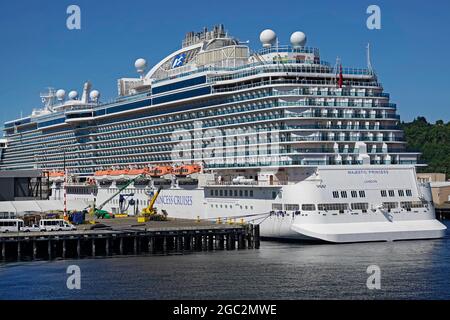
[
  {"x": 150, "y": 210},
  {"x": 98, "y": 212}
]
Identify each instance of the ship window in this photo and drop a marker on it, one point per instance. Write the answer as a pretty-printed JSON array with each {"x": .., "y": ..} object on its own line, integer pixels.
[
  {"x": 335, "y": 194},
  {"x": 216, "y": 192},
  {"x": 277, "y": 206},
  {"x": 383, "y": 193},
  {"x": 308, "y": 207},
  {"x": 226, "y": 193},
  {"x": 235, "y": 193},
  {"x": 362, "y": 194},
  {"x": 344, "y": 194},
  {"x": 333, "y": 206},
  {"x": 360, "y": 206},
  {"x": 246, "y": 193},
  {"x": 251, "y": 193},
  {"x": 240, "y": 193},
  {"x": 409, "y": 193},
  {"x": 274, "y": 195},
  {"x": 390, "y": 205},
  {"x": 354, "y": 194},
  {"x": 291, "y": 207},
  {"x": 406, "y": 205},
  {"x": 212, "y": 192},
  {"x": 391, "y": 193},
  {"x": 401, "y": 193}
]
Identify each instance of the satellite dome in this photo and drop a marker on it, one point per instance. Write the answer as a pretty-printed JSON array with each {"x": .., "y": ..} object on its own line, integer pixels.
[
  {"x": 94, "y": 95},
  {"x": 140, "y": 65},
  {"x": 267, "y": 37},
  {"x": 73, "y": 95},
  {"x": 60, "y": 94},
  {"x": 298, "y": 39}
]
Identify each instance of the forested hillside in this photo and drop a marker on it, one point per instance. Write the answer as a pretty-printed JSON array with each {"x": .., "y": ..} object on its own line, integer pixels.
[{"x": 433, "y": 140}]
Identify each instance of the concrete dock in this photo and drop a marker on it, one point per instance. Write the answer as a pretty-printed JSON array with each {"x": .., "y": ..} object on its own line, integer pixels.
[{"x": 125, "y": 236}]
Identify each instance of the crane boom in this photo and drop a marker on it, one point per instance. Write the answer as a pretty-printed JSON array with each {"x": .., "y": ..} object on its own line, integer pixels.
[
  {"x": 100, "y": 207},
  {"x": 152, "y": 202}
]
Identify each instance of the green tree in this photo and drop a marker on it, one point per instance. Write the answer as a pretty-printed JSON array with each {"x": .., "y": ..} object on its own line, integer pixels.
[{"x": 432, "y": 140}]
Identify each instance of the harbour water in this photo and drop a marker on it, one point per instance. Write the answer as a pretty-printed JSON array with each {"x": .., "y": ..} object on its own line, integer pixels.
[{"x": 409, "y": 270}]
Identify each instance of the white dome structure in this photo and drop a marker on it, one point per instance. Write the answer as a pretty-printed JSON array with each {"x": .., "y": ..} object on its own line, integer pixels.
[
  {"x": 60, "y": 94},
  {"x": 94, "y": 95},
  {"x": 268, "y": 37},
  {"x": 73, "y": 95},
  {"x": 298, "y": 39},
  {"x": 141, "y": 65}
]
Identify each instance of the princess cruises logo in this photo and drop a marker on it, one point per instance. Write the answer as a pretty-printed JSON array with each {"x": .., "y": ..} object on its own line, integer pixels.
[{"x": 178, "y": 61}]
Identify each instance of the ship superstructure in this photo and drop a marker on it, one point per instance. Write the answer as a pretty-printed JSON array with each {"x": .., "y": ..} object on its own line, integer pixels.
[{"x": 277, "y": 133}]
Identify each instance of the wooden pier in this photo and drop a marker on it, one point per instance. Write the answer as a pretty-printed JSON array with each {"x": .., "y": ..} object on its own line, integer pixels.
[{"x": 128, "y": 240}]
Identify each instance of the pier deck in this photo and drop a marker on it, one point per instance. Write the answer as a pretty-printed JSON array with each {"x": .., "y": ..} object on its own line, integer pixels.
[{"x": 126, "y": 237}]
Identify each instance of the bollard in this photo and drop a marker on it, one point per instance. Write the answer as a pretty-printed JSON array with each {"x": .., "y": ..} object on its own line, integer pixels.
[{"x": 198, "y": 219}]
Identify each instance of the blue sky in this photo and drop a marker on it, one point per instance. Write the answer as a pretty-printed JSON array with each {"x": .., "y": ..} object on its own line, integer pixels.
[{"x": 410, "y": 52}]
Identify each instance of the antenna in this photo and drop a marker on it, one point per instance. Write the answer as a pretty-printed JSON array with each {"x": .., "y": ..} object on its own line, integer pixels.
[{"x": 369, "y": 63}]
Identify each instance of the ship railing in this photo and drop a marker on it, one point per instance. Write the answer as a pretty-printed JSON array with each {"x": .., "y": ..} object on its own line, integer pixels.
[
  {"x": 293, "y": 66},
  {"x": 248, "y": 183},
  {"x": 300, "y": 81},
  {"x": 288, "y": 48}
]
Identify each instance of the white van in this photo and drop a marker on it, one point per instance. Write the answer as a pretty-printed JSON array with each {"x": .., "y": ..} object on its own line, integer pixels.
[
  {"x": 11, "y": 225},
  {"x": 55, "y": 225}
]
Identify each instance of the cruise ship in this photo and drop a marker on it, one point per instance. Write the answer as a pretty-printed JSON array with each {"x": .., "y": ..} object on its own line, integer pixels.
[{"x": 310, "y": 150}]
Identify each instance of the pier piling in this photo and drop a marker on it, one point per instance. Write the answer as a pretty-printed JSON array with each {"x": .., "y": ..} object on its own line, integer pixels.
[{"x": 98, "y": 243}]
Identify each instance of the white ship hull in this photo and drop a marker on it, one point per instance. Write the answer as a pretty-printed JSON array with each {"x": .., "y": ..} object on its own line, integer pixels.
[{"x": 281, "y": 206}]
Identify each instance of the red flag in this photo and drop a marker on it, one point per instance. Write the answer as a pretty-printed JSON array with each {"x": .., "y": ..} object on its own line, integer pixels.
[{"x": 341, "y": 77}]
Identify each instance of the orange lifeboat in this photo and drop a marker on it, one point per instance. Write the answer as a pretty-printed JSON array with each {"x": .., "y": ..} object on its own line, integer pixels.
[
  {"x": 186, "y": 170},
  {"x": 103, "y": 175},
  {"x": 56, "y": 176},
  {"x": 119, "y": 174},
  {"x": 160, "y": 171},
  {"x": 138, "y": 172}
]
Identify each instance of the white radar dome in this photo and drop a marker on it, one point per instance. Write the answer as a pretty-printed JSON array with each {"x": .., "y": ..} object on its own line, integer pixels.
[
  {"x": 267, "y": 37},
  {"x": 298, "y": 39},
  {"x": 73, "y": 95},
  {"x": 140, "y": 65},
  {"x": 60, "y": 94},
  {"x": 94, "y": 95}
]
